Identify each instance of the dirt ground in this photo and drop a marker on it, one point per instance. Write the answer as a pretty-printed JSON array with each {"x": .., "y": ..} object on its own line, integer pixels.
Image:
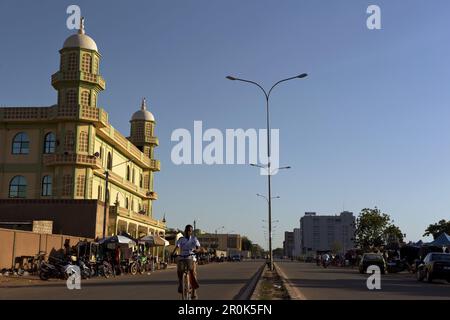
[{"x": 270, "y": 287}]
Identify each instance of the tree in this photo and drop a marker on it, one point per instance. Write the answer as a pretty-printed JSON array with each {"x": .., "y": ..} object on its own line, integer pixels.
[
  {"x": 393, "y": 234},
  {"x": 436, "y": 229},
  {"x": 336, "y": 247},
  {"x": 246, "y": 244},
  {"x": 370, "y": 227}
]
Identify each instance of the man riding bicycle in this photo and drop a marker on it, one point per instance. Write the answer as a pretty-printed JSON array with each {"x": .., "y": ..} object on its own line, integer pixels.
[{"x": 188, "y": 246}]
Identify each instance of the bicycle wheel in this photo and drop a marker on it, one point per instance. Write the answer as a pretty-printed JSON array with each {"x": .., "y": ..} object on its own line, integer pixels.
[
  {"x": 134, "y": 268},
  {"x": 186, "y": 287}
]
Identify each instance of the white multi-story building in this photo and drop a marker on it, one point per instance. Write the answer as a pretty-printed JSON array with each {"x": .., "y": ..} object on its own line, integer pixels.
[{"x": 322, "y": 233}]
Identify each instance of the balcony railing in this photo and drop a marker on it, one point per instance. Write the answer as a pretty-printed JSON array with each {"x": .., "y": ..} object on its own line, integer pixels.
[
  {"x": 127, "y": 146},
  {"x": 123, "y": 212},
  {"x": 155, "y": 165},
  {"x": 78, "y": 75},
  {"x": 55, "y": 113},
  {"x": 55, "y": 159}
]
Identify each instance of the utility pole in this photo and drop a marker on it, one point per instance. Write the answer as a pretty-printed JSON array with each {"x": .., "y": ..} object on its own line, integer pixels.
[{"x": 106, "y": 202}]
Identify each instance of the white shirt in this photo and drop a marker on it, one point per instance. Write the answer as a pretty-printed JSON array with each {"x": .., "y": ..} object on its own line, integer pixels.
[{"x": 187, "y": 247}]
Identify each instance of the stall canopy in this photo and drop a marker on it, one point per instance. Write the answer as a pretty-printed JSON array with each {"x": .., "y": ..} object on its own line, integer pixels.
[
  {"x": 117, "y": 239},
  {"x": 442, "y": 240},
  {"x": 154, "y": 241}
]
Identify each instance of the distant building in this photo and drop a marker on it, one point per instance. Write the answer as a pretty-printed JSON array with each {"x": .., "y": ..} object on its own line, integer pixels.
[
  {"x": 297, "y": 252},
  {"x": 288, "y": 244},
  {"x": 321, "y": 233},
  {"x": 232, "y": 243}
]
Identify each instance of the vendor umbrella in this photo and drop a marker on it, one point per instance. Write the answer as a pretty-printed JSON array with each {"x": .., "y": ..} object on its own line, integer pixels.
[
  {"x": 117, "y": 239},
  {"x": 154, "y": 241}
]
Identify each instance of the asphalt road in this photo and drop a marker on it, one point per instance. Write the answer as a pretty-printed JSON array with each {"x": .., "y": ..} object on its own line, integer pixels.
[
  {"x": 314, "y": 282},
  {"x": 217, "y": 281}
]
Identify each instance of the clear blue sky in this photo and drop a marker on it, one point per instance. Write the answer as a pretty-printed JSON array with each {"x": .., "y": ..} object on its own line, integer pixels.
[{"x": 369, "y": 127}]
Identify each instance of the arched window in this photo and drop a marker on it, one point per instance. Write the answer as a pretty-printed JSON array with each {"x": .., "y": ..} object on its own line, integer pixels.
[
  {"x": 49, "y": 143},
  {"x": 71, "y": 97},
  {"x": 126, "y": 203},
  {"x": 109, "y": 161},
  {"x": 83, "y": 142},
  {"x": 132, "y": 205},
  {"x": 140, "y": 180},
  {"x": 128, "y": 173},
  {"x": 85, "y": 97},
  {"x": 86, "y": 63},
  {"x": 18, "y": 187},
  {"x": 134, "y": 173},
  {"x": 21, "y": 143},
  {"x": 72, "y": 62},
  {"x": 47, "y": 186}
]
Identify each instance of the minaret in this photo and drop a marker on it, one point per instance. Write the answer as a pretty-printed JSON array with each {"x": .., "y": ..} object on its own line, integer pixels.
[
  {"x": 142, "y": 136},
  {"x": 78, "y": 81},
  {"x": 142, "y": 130}
]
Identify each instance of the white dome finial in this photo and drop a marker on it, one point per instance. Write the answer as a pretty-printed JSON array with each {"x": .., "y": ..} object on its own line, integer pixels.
[
  {"x": 81, "y": 30},
  {"x": 144, "y": 104}
]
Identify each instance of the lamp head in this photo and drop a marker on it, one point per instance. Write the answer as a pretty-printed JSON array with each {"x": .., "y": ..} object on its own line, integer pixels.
[{"x": 231, "y": 78}]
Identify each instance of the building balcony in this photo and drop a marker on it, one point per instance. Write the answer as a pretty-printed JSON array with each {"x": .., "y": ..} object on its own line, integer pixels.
[
  {"x": 62, "y": 76},
  {"x": 128, "y": 148},
  {"x": 55, "y": 113},
  {"x": 142, "y": 218},
  {"x": 152, "y": 195},
  {"x": 155, "y": 165},
  {"x": 131, "y": 187},
  {"x": 56, "y": 159},
  {"x": 152, "y": 140}
]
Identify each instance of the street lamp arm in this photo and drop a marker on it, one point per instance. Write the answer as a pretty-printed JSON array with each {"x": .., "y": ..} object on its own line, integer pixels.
[
  {"x": 303, "y": 75},
  {"x": 252, "y": 82}
]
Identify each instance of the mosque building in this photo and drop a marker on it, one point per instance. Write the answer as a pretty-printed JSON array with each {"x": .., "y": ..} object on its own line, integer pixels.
[{"x": 66, "y": 164}]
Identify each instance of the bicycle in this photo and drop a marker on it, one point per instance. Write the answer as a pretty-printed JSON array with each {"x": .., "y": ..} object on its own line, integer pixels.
[{"x": 186, "y": 266}]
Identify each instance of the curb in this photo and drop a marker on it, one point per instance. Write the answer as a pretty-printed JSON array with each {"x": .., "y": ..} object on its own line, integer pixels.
[
  {"x": 247, "y": 291},
  {"x": 293, "y": 292}
]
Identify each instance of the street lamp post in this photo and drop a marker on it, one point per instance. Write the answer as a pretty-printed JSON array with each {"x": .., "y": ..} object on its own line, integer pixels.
[
  {"x": 107, "y": 194},
  {"x": 217, "y": 239},
  {"x": 267, "y": 96}
]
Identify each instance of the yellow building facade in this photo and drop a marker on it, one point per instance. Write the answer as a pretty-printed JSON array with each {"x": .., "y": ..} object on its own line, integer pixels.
[{"x": 58, "y": 153}]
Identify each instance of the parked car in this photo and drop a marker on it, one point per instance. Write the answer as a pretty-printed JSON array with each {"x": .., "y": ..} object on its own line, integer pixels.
[
  {"x": 372, "y": 259},
  {"x": 236, "y": 258},
  {"x": 434, "y": 266}
]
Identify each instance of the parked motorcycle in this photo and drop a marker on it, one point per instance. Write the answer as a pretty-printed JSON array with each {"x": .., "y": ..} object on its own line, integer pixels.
[
  {"x": 104, "y": 269},
  {"x": 59, "y": 269}
]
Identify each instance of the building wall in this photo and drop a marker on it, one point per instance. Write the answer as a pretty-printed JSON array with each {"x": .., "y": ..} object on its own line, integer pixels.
[
  {"x": 83, "y": 218},
  {"x": 224, "y": 241},
  {"x": 26, "y": 165},
  {"x": 16, "y": 243},
  {"x": 320, "y": 233}
]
